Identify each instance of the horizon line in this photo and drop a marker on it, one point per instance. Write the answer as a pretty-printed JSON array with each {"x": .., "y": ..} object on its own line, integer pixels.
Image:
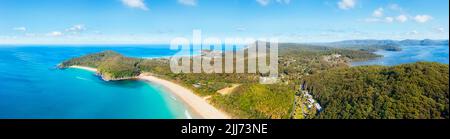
[{"x": 83, "y": 44}]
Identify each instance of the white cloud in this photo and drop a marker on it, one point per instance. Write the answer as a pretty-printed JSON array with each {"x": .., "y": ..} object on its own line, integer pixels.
[
  {"x": 346, "y": 4},
  {"x": 440, "y": 30},
  {"x": 422, "y": 18},
  {"x": 263, "y": 2},
  {"x": 140, "y": 4},
  {"x": 380, "y": 20},
  {"x": 401, "y": 18},
  {"x": 76, "y": 28},
  {"x": 55, "y": 34},
  {"x": 241, "y": 29},
  {"x": 414, "y": 32},
  {"x": 20, "y": 29},
  {"x": 267, "y": 2},
  {"x": 188, "y": 2},
  {"x": 283, "y": 1},
  {"x": 394, "y": 13},
  {"x": 372, "y": 20},
  {"x": 389, "y": 19},
  {"x": 30, "y": 34},
  {"x": 395, "y": 7},
  {"x": 378, "y": 12}
]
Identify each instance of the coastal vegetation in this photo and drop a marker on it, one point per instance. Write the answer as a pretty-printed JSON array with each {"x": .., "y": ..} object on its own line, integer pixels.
[
  {"x": 110, "y": 65},
  {"x": 258, "y": 101},
  {"x": 408, "y": 91},
  {"x": 412, "y": 91},
  {"x": 91, "y": 60}
]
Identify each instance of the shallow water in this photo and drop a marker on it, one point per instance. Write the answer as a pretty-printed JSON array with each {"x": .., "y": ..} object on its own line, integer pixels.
[{"x": 410, "y": 54}]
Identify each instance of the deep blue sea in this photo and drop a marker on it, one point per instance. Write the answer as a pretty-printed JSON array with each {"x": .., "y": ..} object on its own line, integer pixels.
[
  {"x": 410, "y": 54},
  {"x": 31, "y": 87}
]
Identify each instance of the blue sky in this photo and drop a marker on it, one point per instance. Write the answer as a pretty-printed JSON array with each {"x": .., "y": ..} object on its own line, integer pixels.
[{"x": 159, "y": 21}]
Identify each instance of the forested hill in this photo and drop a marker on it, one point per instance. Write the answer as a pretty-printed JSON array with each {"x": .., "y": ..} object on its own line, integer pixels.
[
  {"x": 110, "y": 65},
  {"x": 409, "y": 91}
]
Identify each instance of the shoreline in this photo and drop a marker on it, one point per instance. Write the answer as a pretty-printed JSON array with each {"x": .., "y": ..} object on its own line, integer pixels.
[
  {"x": 84, "y": 68},
  {"x": 194, "y": 103}
]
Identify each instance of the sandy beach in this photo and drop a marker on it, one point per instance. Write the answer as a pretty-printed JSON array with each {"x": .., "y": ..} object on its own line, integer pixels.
[
  {"x": 84, "y": 68},
  {"x": 196, "y": 103}
]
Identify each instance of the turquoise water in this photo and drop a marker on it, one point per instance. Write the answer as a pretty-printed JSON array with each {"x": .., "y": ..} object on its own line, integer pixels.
[
  {"x": 410, "y": 54},
  {"x": 31, "y": 87}
]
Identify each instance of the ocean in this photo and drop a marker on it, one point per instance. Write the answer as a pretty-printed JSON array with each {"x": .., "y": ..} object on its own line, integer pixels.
[
  {"x": 31, "y": 87},
  {"x": 410, "y": 54}
]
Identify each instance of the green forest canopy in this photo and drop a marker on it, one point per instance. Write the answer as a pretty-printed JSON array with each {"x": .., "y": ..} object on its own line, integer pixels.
[{"x": 409, "y": 91}]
